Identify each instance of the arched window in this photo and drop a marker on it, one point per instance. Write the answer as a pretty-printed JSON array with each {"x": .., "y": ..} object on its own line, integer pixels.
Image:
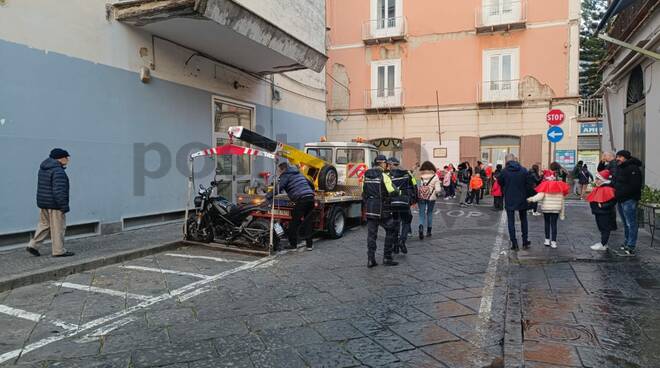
[{"x": 635, "y": 91}]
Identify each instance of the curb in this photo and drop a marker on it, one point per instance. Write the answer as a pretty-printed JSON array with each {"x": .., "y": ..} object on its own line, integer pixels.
[{"x": 55, "y": 272}]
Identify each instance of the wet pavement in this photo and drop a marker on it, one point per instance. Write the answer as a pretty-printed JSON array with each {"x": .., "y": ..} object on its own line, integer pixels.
[
  {"x": 458, "y": 299},
  {"x": 580, "y": 308}
]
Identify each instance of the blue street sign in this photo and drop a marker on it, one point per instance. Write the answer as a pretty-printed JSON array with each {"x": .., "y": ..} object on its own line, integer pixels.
[{"x": 555, "y": 134}]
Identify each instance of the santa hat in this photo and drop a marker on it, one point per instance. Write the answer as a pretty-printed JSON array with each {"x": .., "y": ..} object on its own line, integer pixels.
[{"x": 549, "y": 175}]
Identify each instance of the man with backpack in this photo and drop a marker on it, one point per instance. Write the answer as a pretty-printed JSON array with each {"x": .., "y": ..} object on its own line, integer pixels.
[{"x": 405, "y": 182}]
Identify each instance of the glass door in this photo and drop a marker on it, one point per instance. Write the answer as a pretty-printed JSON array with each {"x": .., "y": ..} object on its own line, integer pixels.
[{"x": 232, "y": 171}]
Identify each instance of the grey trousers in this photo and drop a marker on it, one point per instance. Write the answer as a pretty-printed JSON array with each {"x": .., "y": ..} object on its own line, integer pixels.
[{"x": 53, "y": 223}]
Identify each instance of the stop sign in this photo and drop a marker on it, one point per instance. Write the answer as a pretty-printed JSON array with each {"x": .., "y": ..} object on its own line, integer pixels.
[{"x": 555, "y": 117}]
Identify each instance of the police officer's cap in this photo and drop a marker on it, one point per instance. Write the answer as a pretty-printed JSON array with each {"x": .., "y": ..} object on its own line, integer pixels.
[
  {"x": 393, "y": 161},
  {"x": 380, "y": 158}
]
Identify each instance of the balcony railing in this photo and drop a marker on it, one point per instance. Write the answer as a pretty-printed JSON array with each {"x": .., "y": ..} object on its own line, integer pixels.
[
  {"x": 501, "y": 15},
  {"x": 384, "y": 29},
  {"x": 388, "y": 98},
  {"x": 590, "y": 108},
  {"x": 499, "y": 91}
]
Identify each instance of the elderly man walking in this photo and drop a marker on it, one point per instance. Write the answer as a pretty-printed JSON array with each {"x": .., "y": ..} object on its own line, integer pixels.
[
  {"x": 514, "y": 183},
  {"x": 53, "y": 203}
]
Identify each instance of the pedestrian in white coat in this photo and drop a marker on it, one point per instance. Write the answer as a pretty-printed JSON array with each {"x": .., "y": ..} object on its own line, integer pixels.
[{"x": 550, "y": 193}]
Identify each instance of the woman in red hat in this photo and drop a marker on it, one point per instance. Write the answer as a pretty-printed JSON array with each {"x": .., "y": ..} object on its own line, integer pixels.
[
  {"x": 603, "y": 205},
  {"x": 550, "y": 193}
]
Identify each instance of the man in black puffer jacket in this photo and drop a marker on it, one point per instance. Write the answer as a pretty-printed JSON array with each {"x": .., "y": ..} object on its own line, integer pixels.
[
  {"x": 628, "y": 190},
  {"x": 301, "y": 192},
  {"x": 53, "y": 203}
]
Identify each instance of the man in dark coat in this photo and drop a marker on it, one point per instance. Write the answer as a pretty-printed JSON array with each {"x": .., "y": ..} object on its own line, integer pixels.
[
  {"x": 53, "y": 203},
  {"x": 301, "y": 192},
  {"x": 514, "y": 181},
  {"x": 628, "y": 191}
]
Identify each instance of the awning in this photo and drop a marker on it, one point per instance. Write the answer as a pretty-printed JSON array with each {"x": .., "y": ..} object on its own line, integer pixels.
[
  {"x": 223, "y": 30},
  {"x": 615, "y": 8}
]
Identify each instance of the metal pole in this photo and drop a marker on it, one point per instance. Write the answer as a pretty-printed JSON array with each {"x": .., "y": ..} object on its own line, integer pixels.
[
  {"x": 190, "y": 185},
  {"x": 272, "y": 209},
  {"x": 437, "y": 104}
]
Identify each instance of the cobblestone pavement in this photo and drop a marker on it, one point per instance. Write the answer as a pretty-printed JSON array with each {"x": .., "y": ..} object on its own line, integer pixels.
[
  {"x": 458, "y": 299},
  {"x": 580, "y": 308},
  {"x": 439, "y": 308}
]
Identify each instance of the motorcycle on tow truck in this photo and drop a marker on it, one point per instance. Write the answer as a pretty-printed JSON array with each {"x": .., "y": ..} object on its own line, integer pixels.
[{"x": 215, "y": 218}]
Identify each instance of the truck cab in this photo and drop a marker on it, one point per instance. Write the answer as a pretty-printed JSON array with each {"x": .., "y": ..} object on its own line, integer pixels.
[{"x": 350, "y": 159}]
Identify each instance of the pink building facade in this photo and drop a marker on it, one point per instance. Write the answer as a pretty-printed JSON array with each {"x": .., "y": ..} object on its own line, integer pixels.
[{"x": 448, "y": 81}]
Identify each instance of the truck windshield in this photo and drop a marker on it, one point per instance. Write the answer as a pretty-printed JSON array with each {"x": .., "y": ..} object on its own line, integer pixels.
[
  {"x": 323, "y": 153},
  {"x": 345, "y": 156}
]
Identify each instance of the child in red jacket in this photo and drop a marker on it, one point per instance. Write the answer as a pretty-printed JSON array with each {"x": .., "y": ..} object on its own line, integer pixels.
[{"x": 603, "y": 203}]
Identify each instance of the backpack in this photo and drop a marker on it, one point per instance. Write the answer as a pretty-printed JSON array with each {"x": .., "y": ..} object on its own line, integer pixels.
[{"x": 424, "y": 192}]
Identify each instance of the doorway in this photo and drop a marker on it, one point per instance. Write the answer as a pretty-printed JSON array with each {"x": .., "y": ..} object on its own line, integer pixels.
[
  {"x": 233, "y": 172},
  {"x": 495, "y": 149}
]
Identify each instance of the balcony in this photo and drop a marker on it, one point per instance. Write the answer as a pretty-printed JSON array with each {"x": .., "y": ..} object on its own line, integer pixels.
[
  {"x": 223, "y": 30},
  {"x": 501, "y": 91},
  {"x": 590, "y": 109},
  {"x": 383, "y": 30},
  {"x": 383, "y": 99},
  {"x": 500, "y": 16}
]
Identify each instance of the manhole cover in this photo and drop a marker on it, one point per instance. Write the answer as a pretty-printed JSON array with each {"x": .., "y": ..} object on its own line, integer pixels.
[{"x": 560, "y": 332}]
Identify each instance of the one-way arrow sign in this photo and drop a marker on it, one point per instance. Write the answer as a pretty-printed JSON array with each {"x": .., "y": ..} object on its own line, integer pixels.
[{"x": 555, "y": 134}]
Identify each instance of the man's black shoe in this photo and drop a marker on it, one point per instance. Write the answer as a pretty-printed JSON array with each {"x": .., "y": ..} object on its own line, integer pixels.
[
  {"x": 65, "y": 254},
  {"x": 404, "y": 249},
  {"x": 421, "y": 232},
  {"x": 33, "y": 251},
  {"x": 372, "y": 263},
  {"x": 526, "y": 244},
  {"x": 514, "y": 246},
  {"x": 390, "y": 262}
]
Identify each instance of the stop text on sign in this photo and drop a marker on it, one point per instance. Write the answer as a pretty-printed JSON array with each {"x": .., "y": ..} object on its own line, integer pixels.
[{"x": 555, "y": 117}]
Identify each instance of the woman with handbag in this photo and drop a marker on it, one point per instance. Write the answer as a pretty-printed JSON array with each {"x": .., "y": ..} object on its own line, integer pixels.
[{"x": 428, "y": 191}]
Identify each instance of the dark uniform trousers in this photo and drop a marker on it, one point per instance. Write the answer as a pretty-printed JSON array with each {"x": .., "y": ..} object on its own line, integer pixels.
[
  {"x": 301, "y": 222},
  {"x": 372, "y": 235}
]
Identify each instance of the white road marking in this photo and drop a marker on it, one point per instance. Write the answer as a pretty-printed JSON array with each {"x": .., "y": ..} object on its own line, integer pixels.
[
  {"x": 188, "y": 289},
  {"x": 486, "y": 306},
  {"x": 162, "y": 270},
  {"x": 216, "y": 259},
  {"x": 194, "y": 293},
  {"x": 92, "y": 336},
  {"x": 35, "y": 317},
  {"x": 99, "y": 290}
]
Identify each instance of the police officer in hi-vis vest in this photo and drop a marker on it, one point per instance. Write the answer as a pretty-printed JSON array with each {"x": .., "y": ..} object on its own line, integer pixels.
[
  {"x": 405, "y": 182},
  {"x": 377, "y": 191}
]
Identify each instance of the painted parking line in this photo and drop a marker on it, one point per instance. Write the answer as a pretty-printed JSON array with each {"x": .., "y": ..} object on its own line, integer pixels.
[
  {"x": 35, "y": 317},
  {"x": 162, "y": 270},
  {"x": 181, "y": 292},
  {"x": 216, "y": 259},
  {"x": 99, "y": 290}
]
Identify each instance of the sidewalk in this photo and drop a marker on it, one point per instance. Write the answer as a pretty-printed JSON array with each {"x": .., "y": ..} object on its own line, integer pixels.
[
  {"x": 580, "y": 308},
  {"x": 18, "y": 268}
]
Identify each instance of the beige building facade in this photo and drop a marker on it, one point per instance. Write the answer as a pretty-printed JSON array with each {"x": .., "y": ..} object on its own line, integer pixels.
[{"x": 454, "y": 81}]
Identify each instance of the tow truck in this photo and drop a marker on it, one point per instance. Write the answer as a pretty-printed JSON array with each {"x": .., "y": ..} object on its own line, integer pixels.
[{"x": 335, "y": 169}]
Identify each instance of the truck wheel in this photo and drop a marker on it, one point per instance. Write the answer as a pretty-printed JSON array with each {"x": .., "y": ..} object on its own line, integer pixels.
[
  {"x": 336, "y": 223},
  {"x": 328, "y": 178}
]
